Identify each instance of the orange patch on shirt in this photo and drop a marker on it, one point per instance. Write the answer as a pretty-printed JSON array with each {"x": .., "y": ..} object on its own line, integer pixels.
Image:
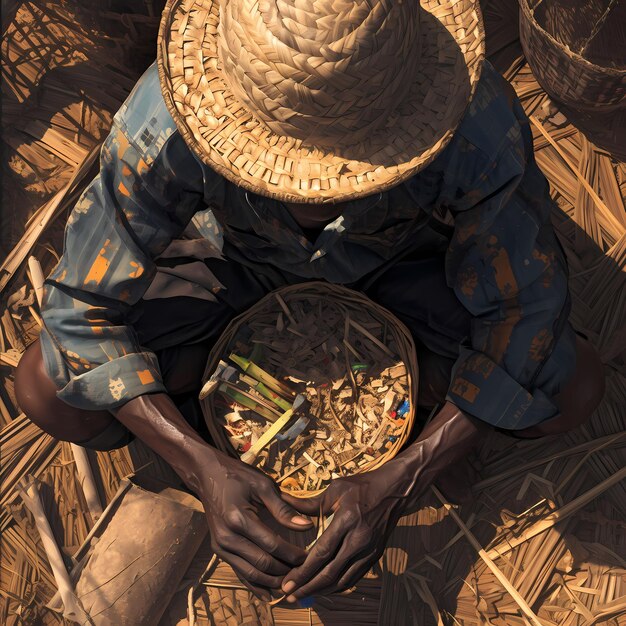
[
  {"x": 145, "y": 377},
  {"x": 99, "y": 267},
  {"x": 138, "y": 271},
  {"x": 142, "y": 166},
  {"x": 548, "y": 264},
  {"x": 505, "y": 279},
  {"x": 539, "y": 345},
  {"x": 466, "y": 390},
  {"x": 500, "y": 334},
  {"x": 122, "y": 144},
  {"x": 126, "y": 171},
  {"x": 463, "y": 233},
  {"x": 123, "y": 190},
  {"x": 468, "y": 280},
  {"x": 480, "y": 365}
]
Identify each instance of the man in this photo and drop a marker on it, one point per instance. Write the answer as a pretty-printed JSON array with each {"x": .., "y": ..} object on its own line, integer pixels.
[{"x": 364, "y": 143}]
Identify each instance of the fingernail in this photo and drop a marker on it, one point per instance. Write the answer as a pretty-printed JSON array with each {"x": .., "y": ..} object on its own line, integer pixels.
[
  {"x": 298, "y": 519},
  {"x": 291, "y": 598},
  {"x": 289, "y": 586}
]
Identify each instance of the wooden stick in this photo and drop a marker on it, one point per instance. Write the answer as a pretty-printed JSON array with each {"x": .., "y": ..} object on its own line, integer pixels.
[
  {"x": 261, "y": 375},
  {"x": 191, "y": 610},
  {"x": 36, "y": 316},
  {"x": 87, "y": 481},
  {"x": 371, "y": 337},
  {"x": 266, "y": 437},
  {"x": 73, "y": 609},
  {"x": 523, "y": 605},
  {"x": 558, "y": 515},
  {"x": 583, "y": 181},
  {"x": 285, "y": 308},
  {"x": 594, "y": 444},
  {"x": 36, "y": 278}
]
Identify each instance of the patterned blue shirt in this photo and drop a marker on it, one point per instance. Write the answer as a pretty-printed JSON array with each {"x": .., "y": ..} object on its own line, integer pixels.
[{"x": 502, "y": 260}]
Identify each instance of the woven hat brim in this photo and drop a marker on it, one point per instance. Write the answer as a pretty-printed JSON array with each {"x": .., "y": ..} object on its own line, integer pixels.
[{"x": 229, "y": 138}]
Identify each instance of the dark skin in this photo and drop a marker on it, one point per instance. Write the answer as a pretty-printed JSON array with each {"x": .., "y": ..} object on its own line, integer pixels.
[{"x": 366, "y": 507}]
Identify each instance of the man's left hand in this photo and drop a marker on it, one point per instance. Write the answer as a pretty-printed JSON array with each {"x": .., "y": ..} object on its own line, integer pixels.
[{"x": 366, "y": 508}]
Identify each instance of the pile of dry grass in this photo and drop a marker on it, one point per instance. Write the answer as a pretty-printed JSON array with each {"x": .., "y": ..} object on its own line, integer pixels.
[{"x": 550, "y": 514}]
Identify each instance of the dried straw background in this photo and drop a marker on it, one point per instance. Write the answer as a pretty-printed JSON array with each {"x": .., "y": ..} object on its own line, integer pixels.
[{"x": 542, "y": 510}]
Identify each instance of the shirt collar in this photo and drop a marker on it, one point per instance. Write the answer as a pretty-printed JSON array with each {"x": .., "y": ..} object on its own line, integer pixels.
[
  {"x": 264, "y": 205},
  {"x": 268, "y": 209}
]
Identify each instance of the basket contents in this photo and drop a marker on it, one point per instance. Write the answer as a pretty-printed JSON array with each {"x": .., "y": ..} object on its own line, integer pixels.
[{"x": 311, "y": 388}]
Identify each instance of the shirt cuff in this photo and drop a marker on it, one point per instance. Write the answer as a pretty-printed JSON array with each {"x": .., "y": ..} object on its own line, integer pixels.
[
  {"x": 114, "y": 383},
  {"x": 484, "y": 390}
]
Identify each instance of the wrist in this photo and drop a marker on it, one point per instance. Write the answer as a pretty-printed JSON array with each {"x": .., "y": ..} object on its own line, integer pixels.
[
  {"x": 405, "y": 473},
  {"x": 199, "y": 461},
  {"x": 155, "y": 419},
  {"x": 448, "y": 438}
]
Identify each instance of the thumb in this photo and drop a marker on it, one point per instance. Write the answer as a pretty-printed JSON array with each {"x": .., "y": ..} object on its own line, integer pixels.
[
  {"x": 313, "y": 505},
  {"x": 283, "y": 512}
]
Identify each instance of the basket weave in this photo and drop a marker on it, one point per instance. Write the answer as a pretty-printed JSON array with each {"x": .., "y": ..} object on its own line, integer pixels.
[
  {"x": 321, "y": 101},
  {"x": 554, "y": 32},
  {"x": 395, "y": 328}
]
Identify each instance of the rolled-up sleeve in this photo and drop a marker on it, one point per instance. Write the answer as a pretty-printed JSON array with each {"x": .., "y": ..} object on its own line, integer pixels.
[
  {"x": 148, "y": 189},
  {"x": 507, "y": 268}
]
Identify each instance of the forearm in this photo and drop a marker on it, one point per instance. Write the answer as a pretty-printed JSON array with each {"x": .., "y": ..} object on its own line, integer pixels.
[
  {"x": 447, "y": 439},
  {"x": 155, "y": 420}
]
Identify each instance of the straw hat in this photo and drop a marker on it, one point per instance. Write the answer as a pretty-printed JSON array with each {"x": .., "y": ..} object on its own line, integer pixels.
[{"x": 319, "y": 101}]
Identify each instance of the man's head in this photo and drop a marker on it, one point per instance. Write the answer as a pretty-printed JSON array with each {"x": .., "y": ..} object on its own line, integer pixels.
[{"x": 319, "y": 102}]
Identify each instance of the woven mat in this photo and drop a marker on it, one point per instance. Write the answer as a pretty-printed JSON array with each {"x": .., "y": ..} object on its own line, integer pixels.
[{"x": 550, "y": 514}]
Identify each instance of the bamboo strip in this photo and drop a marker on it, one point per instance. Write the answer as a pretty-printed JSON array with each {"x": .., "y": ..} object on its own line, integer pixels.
[
  {"x": 87, "y": 481},
  {"x": 73, "y": 609},
  {"x": 526, "y": 610},
  {"x": 558, "y": 515},
  {"x": 593, "y": 445},
  {"x": 266, "y": 437},
  {"x": 590, "y": 190}
]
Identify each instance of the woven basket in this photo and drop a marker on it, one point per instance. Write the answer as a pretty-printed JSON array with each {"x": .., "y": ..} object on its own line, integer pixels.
[
  {"x": 573, "y": 48},
  {"x": 397, "y": 333}
]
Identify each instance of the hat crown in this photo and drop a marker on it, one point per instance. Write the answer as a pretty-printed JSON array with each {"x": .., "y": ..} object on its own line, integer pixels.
[{"x": 323, "y": 70}]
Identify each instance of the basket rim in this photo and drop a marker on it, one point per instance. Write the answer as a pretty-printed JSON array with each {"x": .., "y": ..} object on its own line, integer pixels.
[
  {"x": 529, "y": 13},
  {"x": 412, "y": 368}
]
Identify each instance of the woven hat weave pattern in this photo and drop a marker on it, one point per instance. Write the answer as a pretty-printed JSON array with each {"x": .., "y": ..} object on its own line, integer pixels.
[{"x": 321, "y": 101}]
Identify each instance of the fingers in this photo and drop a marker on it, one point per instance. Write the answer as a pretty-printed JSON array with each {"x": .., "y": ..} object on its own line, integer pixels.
[
  {"x": 256, "y": 581},
  {"x": 259, "y": 592},
  {"x": 308, "y": 506},
  {"x": 248, "y": 525},
  {"x": 330, "y": 578},
  {"x": 333, "y": 581},
  {"x": 319, "y": 556},
  {"x": 283, "y": 510},
  {"x": 255, "y": 555},
  {"x": 356, "y": 571}
]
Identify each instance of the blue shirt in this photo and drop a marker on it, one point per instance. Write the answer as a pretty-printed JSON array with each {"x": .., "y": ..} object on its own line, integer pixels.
[{"x": 502, "y": 260}]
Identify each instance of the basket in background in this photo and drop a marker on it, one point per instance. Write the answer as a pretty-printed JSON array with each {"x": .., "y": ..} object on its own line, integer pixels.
[{"x": 576, "y": 50}]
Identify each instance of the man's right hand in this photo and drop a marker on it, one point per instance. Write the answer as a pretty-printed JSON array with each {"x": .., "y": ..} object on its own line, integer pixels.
[{"x": 232, "y": 493}]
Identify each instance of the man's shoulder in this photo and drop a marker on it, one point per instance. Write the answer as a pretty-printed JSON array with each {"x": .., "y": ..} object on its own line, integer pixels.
[
  {"x": 494, "y": 115},
  {"x": 487, "y": 150},
  {"x": 144, "y": 118}
]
